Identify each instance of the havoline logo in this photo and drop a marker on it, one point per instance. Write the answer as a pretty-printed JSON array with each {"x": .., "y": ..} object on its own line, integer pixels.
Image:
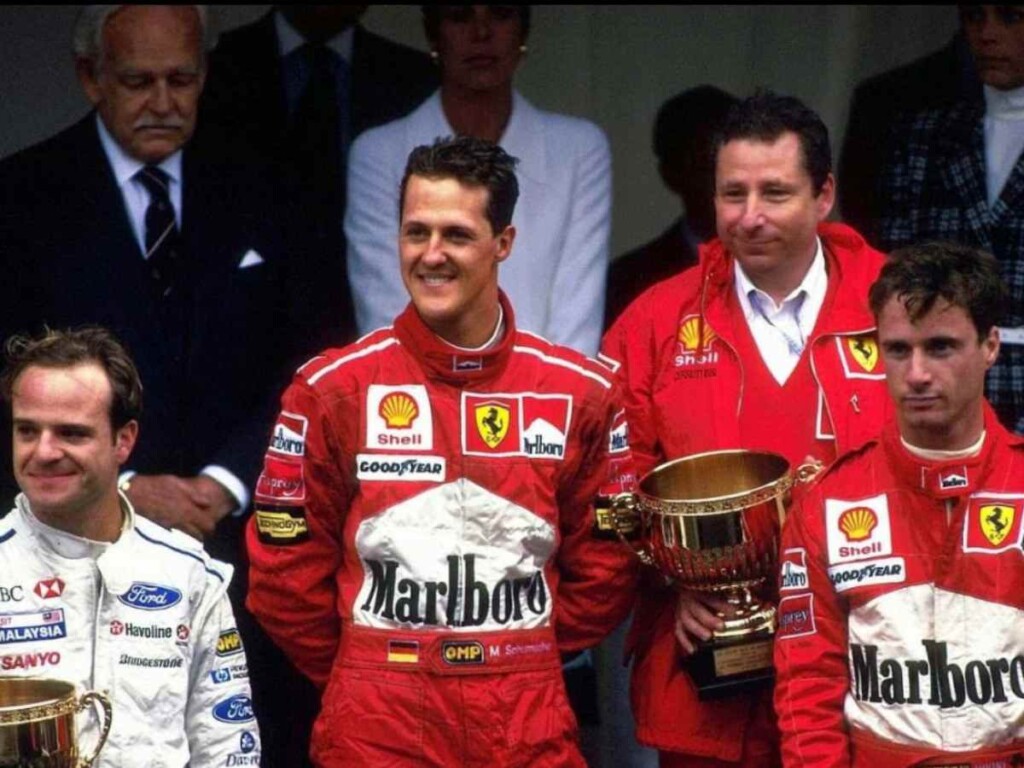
[
  {"x": 934, "y": 680},
  {"x": 466, "y": 601}
]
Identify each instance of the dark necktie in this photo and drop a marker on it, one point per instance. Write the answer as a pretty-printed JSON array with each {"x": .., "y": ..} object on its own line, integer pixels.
[
  {"x": 318, "y": 138},
  {"x": 162, "y": 242}
]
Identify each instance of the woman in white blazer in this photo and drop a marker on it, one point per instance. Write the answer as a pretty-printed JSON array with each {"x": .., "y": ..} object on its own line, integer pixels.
[{"x": 555, "y": 276}]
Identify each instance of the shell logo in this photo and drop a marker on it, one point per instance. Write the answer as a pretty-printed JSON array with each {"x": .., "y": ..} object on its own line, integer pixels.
[
  {"x": 399, "y": 410},
  {"x": 689, "y": 334},
  {"x": 858, "y": 523}
]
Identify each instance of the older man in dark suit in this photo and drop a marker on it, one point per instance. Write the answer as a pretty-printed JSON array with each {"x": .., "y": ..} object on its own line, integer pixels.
[
  {"x": 118, "y": 221},
  {"x": 289, "y": 93}
]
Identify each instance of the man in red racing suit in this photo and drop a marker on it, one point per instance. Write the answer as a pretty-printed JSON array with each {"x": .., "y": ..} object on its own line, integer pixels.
[
  {"x": 900, "y": 636},
  {"x": 694, "y": 380},
  {"x": 422, "y": 545}
]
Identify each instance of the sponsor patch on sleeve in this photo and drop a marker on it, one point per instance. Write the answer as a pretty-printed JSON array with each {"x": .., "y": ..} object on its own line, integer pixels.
[
  {"x": 289, "y": 435},
  {"x": 793, "y": 571},
  {"x": 281, "y": 481},
  {"x": 279, "y": 525},
  {"x": 994, "y": 523},
  {"x": 618, "y": 437},
  {"x": 796, "y": 616}
]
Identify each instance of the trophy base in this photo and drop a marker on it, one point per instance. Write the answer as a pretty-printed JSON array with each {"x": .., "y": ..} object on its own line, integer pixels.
[{"x": 726, "y": 667}]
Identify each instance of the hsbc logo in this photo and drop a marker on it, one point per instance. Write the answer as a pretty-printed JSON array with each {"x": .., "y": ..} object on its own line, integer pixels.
[
  {"x": 13, "y": 594},
  {"x": 48, "y": 588}
]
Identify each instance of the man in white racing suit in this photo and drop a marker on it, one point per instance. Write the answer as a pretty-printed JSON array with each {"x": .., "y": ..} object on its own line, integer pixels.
[{"x": 95, "y": 595}]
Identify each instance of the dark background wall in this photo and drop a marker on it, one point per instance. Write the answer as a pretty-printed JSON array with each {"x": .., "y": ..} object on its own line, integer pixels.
[{"x": 612, "y": 64}]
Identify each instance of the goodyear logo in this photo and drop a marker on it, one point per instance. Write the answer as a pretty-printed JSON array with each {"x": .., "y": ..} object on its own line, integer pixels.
[
  {"x": 282, "y": 526},
  {"x": 462, "y": 652},
  {"x": 229, "y": 643}
]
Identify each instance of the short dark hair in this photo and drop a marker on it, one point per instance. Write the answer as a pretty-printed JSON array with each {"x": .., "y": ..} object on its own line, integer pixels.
[
  {"x": 964, "y": 276},
  {"x": 432, "y": 15},
  {"x": 765, "y": 116},
  {"x": 473, "y": 163},
  {"x": 63, "y": 349},
  {"x": 687, "y": 118}
]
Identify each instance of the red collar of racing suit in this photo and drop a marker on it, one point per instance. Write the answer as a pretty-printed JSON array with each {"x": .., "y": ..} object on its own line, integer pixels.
[
  {"x": 450, "y": 364},
  {"x": 946, "y": 479}
]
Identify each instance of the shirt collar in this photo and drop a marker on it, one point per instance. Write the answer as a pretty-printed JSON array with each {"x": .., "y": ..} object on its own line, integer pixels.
[
  {"x": 290, "y": 39},
  {"x": 1004, "y": 104},
  {"x": 125, "y": 166},
  {"x": 814, "y": 285}
]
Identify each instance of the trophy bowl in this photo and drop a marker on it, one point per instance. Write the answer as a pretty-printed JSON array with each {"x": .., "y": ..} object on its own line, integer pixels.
[
  {"x": 37, "y": 723},
  {"x": 710, "y": 522}
]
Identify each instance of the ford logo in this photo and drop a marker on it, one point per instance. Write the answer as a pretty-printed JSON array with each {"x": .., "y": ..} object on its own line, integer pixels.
[
  {"x": 150, "y": 597},
  {"x": 237, "y": 709}
]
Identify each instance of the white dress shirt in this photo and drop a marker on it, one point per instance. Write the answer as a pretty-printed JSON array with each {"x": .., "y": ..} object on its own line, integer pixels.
[
  {"x": 1004, "y": 137},
  {"x": 781, "y": 330}
]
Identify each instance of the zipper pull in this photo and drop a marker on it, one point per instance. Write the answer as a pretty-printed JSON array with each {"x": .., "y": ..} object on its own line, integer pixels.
[{"x": 853, "y": 402}]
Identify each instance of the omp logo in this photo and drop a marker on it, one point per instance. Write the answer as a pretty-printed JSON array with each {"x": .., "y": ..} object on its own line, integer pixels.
[
  {"x": 857, "y": 523},
  {"x": 864, "y": 351},
  {"x": 462, "y": 652},
  {"x": 289, "y": 437},
  {"x": 399, "y": 410},
  {"x": 229, "y": 643}
]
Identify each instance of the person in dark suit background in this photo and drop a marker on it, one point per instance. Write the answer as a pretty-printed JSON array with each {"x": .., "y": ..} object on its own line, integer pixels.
[
  {"x": 120, "y": 221},
  {"x": 940, "y": 79},
  {"x": 684, "y": 131},
  {"x": 290, "y": 92}
]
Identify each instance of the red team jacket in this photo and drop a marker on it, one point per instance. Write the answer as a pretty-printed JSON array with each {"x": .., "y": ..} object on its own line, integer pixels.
[
  {"x": 422, "y": 544},
  {"x": 684, "y": 383},
  {"x": 901, "y": 623}
]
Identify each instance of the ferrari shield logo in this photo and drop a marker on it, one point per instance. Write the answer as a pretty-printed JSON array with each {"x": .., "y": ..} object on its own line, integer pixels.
[
  {"x": 864, "y": 350},
  {"x": 996, "y": 522},
  {"x": 492, "y": 420}
]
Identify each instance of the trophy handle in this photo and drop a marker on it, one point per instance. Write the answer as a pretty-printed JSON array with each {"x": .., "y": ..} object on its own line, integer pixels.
[
  {"x": 806, "y": 473},
  {"x": 626, "y": 522},
  {"x": 102, "y": 704}
]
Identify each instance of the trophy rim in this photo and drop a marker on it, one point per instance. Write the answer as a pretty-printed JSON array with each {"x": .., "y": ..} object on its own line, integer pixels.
[
  {"x": 57, "y": 698},
  {"x": 717, "y": 505}
]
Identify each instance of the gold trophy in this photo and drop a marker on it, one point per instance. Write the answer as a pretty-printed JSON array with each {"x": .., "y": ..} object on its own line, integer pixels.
[
  {"x": 711, "y": 522},
  {"x": 37, "y": 723}
]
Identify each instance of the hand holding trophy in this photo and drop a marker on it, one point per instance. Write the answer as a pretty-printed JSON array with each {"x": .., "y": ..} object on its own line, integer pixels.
[
  {"x": 710, "y": 523},
  {"x": 37, "y": 723}
]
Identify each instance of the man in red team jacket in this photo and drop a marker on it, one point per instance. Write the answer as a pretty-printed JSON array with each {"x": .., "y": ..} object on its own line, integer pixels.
[
  {"x": 767, "y": 344},
  {"x": 422, "y": 544}
]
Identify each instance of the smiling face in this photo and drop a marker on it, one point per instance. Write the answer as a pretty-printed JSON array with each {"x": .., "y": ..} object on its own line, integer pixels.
[
  {"x": 935, "y": 370},
  {"x": 450, "y": 256},
  {"x": 995, "y": 34},
  {"x": 478, "y": 46},
  {"x": 147, "y": 83},
  {"x": 766, "y": 210},
  {"x": 66, "y": 454}
]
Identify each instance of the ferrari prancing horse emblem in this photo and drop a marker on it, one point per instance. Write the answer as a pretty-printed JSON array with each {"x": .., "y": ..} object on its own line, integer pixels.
[
  {"x": 492, "y": 420},
  {"x": 865, "y": 351}
]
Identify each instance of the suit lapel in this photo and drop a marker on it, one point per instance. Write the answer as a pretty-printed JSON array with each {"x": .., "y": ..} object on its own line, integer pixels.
[{"x": 962, "y": 163}]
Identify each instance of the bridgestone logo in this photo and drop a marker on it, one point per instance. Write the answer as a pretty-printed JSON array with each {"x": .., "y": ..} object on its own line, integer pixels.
[
  {"x": 470, "y": 603},
  {"x": 139, "y": 661},
  {"x": 934, "y": 680}
]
